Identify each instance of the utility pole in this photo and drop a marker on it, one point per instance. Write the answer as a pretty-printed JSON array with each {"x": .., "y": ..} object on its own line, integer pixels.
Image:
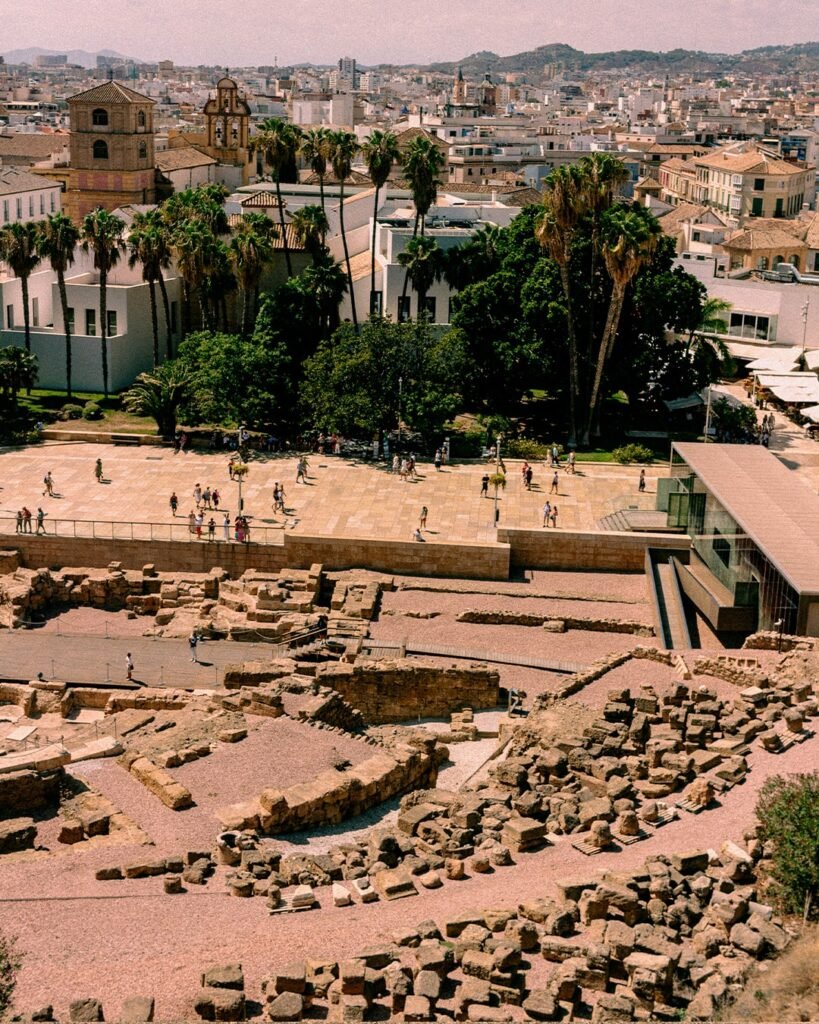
[{"x": 805, "y": 310}]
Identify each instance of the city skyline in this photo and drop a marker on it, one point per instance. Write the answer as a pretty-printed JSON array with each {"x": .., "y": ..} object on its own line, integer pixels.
[{"x": 150, "y": 30}]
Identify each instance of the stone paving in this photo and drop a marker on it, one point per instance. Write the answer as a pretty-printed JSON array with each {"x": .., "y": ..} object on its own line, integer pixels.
[{"x": 342, "y": 498}]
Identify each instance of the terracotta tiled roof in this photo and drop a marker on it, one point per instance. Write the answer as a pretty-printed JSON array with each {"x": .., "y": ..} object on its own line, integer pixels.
[
  {"x": 111, "y": 92},
  {"x": 670, "y": 222},
  {"x": 648, "y": 184},
  {"x": 354, "y": 178},
  {"x": 293, "y": 244},
  {"x": 28, "y": 148},
  {"x": 522, "y": 197},
  {"x": 763, "y": 238},
  {"x": 406, "y": 135},
  {"x": 678, "y": 164},
  {"x": 180, "y": 158},
  {"x": 361, "y": 265},
  {"x": 14, "y": 179},
  {"x": 747, "y": 163}
]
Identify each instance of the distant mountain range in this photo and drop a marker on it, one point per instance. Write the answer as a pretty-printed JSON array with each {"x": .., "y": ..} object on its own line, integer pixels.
[
  {"x": 763, "y": 60},
  {"x": 81, "y": 57}
]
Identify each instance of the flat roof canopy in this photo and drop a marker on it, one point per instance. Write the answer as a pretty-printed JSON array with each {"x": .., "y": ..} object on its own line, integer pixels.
[{"x": 768, "y": 501}]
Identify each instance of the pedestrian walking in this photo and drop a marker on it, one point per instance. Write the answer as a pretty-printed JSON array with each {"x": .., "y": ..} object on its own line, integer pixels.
[
  {"x": 246, "y": 529},
  {"x": 40, "y": 523},
  {"x": 642, "y": 484},
  {"x": 19, "y": 527},
  {"x": 572, "y": 461},
  {"x": 554, "y": 517},
  {"x": 206, "y": 497},
  {"x": 26, "y": 520},
  {"x": 48, "y": 480},
  {"x": 554, "y": 489},
  {"x": 417, "y": 535},
  {"x": 529, "y": 475},
  {"x": 402, "y": 470},
  {"x": 215, "y": 497},
  {"x": 423, "y": 523},
  {"x": 547, "y": 513},
  {"x": 226, "y": 526},
  {"x": 437, "y": 459},
  {"x": 129, "y": 665},
  {"x": 238, "y": 532},
  {"x": 198, "y": 521},
  {"x": 211, "y": 529},
  {"x": 555, "y": 455},
  {"x": 191, "y": 521},
  {"x": 173, "y": 501},
  {"x": 197, "y": 495},
  {"x": 193, "y": 641},
  {"x": 300, "y": 472},
  {"x": 231, "y": 464},
  {"x": 395, "y": 463},
  {"x": 485, "y": 485},
  {"x": 98, "y": 470},
  {"x": 523, "y": 469}
]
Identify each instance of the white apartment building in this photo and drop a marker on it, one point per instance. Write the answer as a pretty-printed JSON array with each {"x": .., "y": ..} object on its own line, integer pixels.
[{"x": 25, "y": 196}]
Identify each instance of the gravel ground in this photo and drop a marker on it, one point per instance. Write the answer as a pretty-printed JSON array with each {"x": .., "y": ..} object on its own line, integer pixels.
[
  {"x": 96, "y": 622},
  {"x": 160, "y": 944},
  {"x": 600, "y": 586}
]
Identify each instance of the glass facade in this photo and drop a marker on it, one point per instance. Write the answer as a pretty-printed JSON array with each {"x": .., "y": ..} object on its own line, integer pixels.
[{"x": 730, "y": 554}]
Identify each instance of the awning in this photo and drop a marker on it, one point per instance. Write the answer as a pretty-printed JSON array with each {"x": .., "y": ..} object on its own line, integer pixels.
[
  {"x": 777, "y": 360},
  {"x": 812, "y": 413},
  {"x": 812, "y": 359}
]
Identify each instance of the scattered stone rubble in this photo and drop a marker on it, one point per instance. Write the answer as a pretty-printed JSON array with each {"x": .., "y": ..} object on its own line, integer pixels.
[{"x": 555, "y": 624}]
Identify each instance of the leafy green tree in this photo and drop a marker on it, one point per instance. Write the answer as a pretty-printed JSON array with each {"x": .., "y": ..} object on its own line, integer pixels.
[
  {"x": 380, "y": 150},
  {"x": 788, "y": 813},
  {"x": 57, "y": 243},
  {"x": 324, "y": 285},
  {"x": 18, "y": 370},
  {"x": 160, "y": 394},
  {"x": 310, "y": 228},
  {"x": 278, "y": 141},
  {"x": 476, "y": 259},
  {"x": 423, "y": 161},
  {"x": 18, "y": 248},
  {"x": 149, "y": 244},
  {"x": 342, "y": 147},
  {"x": 102, "y": 235}
]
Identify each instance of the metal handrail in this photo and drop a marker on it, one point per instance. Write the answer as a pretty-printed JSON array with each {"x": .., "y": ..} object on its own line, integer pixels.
[{"x": 96, "y": 529}]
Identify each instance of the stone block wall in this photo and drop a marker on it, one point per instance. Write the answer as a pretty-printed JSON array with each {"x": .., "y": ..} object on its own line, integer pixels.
[
  {"x": 28, "y": 790},
  {"x": 409, "y": 688},
  {"x": 569, "y": 549}
]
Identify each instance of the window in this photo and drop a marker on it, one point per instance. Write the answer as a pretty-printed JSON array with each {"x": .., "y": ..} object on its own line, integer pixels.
[
  {"x": 756, "y": 207},
  {"x": 35, "y": 312},
  {"x": 42, "y": 202},
  {"x": 91, "y": 322},
  {"x": 31, "y": 206},
  {"x": 452, "y": 304},
  {"x": 143, "y": 150},
  {"x": 99, "y": 117},
  {"x": 778, "y": 211},
  {"x": 795, "y": 261},
  {"x": 9, "y": 316},
  {"x": 140, "y": 119},
  {"x": 70, "y": 321},
  {"x": 759, "y": 184},
  {"x": 749, "y": 325},
  {"x": 6, "y": 210},
  {"x": 19, "y": 208},
  {"x": 376, "y": 303},
  {"x": 100, "y": 149},
  {"x": 696, "y": 236},
  {"x": 53, "y": 203},
  {"x": 722, "y": 549},
  {"x": 111, "y": 317},
  {"x": 403, "y": 308},
  {"x": 429, "y": 307},
  {"x": 762, "y": 263}
]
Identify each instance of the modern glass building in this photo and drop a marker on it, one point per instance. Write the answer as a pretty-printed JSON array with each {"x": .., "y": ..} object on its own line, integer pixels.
[{"x": 754, "y": 528}]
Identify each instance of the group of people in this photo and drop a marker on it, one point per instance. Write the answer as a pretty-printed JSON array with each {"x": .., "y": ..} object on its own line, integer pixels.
[
  {"x": 550, "y": 515},
  {"x": 239, "y": 526},
  {"x": 405, "y": 468},
  {"x": 329, "y": 445},
  {"x": 24, "y": 519}
]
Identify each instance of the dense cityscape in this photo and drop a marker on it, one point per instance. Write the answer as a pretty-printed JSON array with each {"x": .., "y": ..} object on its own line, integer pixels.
[{"x": 409, "y": 491}]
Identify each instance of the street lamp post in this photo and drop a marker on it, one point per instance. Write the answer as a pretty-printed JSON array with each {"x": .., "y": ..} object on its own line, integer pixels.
[
  {"x": 241, "y": 475},
  {"x": 805, "y": 310},
  {"x": 400, "y": 390},
  {"x": 497, "y": 473},
  {"x": 780, "y": 625}
]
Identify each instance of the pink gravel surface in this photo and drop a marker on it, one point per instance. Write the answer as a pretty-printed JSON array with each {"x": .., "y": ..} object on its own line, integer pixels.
[
  {"x": 277, "y": 752},
  {"x": 135, "y": 944},
  {"x": 619, "y": 586},
  {"x": 95, "y": 622}
]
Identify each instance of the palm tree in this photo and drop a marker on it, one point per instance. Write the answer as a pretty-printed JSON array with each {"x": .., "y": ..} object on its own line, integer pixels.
[
  {"x": 325, "y": 283},
  {"x": 424, "y": 261},
  {"x": 18, "y": 247},
  {"x": 474, "y": 260},
  {"x": 629, "y": 239},
  {"x": 218, "y": 282},
  {"x": 704, "y": 340},
  {"x": 58, "y": 240},
  {"x": 314, "y": 149},
  {"x": 380, "y": 152},
  {"x": 310, "y": 228},
  {"x": 422, "y": 161},
  {"x": 342, "y": 148},
  {"x": 149, "y": 245},
  {"x": 102, "y": 235},
  {"x": 251, "y": 248},
  {"x": 278, "y": 142},
  {"x": 192, "y": 243},
  {"x": 159, "y": 394},
  {"x": 562, "y": 207}
]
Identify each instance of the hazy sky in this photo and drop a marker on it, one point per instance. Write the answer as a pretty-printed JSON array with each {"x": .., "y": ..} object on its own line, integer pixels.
[{"x": 235, "y": 32}]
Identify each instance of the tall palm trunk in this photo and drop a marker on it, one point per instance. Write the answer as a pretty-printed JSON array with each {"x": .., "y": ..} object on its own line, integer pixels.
[
  {"x": 372, "y": 251},
  {"x": 321, "y": 198},
  {"x": 167, "y": 306},
  {"x": 26, "y": 314},
  {"x": 154, "y": 321},
  {"x": 67, "y": 330},
  {"x": 618, "y": 296},
  {"x": 245, "y": 311},
  {"x": 104, "y": 328},
  {"x": 574, "y": 376},
  {"x": 347, "y": 255},
  {"x": 284, "y": 230},
  {"x": 187, "y": 312}
]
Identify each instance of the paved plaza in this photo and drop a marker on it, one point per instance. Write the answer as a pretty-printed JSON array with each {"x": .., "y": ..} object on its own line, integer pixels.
[{"x": 341, "y": 498}]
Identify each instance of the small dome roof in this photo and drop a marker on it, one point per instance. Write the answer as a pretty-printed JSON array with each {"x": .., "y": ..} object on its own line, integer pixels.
[{"x": 226, "y": 83}]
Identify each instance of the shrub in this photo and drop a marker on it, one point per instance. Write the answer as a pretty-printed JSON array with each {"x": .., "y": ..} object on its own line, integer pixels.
[
  {"x": 788, "y": 812},
  {"x": 632, "y": 453},
  {"x": 525, "y": 448},
  {"x": 92, "y": 411},
  {"x": 466, "y": 444},
  {"x": 71, "y": 412}
]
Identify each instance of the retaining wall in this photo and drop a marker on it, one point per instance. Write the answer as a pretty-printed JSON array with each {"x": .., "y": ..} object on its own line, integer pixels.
[{"x": 571, "y": 549}]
